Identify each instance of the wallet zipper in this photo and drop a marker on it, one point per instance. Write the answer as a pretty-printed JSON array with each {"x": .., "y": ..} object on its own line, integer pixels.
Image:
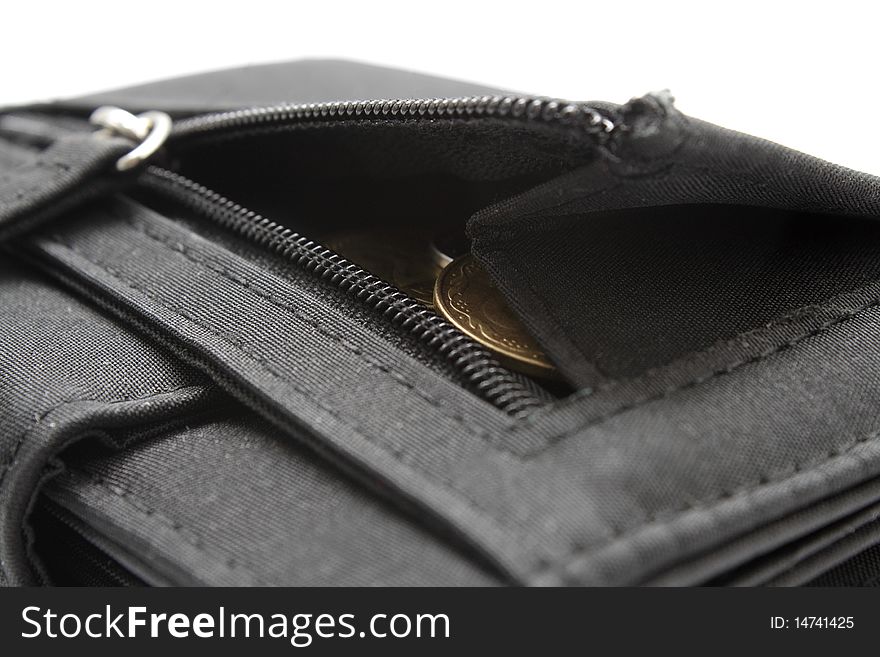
[
  {"x": 598, "y": 124},
  {"x": 478, "y": 369}
]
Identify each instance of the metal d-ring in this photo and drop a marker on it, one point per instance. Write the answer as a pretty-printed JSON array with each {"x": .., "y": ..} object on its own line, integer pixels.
[{"x": 149, "y": 129}]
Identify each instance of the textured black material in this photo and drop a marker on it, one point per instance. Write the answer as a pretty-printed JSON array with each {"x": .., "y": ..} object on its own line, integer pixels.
[
  {"x": 67, "y": 374},
  {"x": 725, "y": 430},
  {"x": 40, "y": 181},
  {"x": 367, "y": 172},
  {"x": 303, "y": 508},
  {"x": 637, "y": 289},
  {"x": 62, "y": 544},
  {"x": 861, "y": 570},
  {"x": 650, "y": 280},
  {"x": 107, "y": 383}
]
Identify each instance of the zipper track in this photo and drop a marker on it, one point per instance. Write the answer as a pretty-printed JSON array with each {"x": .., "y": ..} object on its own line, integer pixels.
[
  {"x": 478, "y": 369},
  {"x": 599, "y": 125}
]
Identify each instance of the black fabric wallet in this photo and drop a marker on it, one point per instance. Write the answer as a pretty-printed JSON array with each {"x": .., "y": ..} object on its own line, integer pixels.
[{"x": 195, "y": 389}]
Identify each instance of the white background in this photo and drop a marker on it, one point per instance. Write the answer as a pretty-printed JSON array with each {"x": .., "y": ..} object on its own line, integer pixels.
[{"x": 800, "y": 73}]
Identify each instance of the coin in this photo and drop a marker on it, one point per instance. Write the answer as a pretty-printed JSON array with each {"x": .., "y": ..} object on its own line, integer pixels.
[
  {"x": 399, "y": 256},
  {"x": 466, "y": 297}
]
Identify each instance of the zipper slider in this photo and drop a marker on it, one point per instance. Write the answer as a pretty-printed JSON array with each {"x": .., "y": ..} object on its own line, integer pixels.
[{"x": 149, "y": 130}]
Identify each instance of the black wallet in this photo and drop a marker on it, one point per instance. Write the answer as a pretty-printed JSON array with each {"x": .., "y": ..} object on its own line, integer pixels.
[{"x": 323, "y": 323}]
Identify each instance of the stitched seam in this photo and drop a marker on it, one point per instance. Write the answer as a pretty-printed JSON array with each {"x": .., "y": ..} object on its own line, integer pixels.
[
  {"x": 806, "y": 312},
  {"x": 675, "y": 513},
  {"x": 268, "y": 369},
  {"x": 374, "y": 363},
  {"x": 186, "y": 534},
  {"x": 13, "y": 456},
  {"x": 547, "y": 311},
  {"x": 721, "y": 371}
]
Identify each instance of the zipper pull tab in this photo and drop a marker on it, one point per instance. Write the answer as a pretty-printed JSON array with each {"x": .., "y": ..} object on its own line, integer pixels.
[{"x": 149, "y": 130}]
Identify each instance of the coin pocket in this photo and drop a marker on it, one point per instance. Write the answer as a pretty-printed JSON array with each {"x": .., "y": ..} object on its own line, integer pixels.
[
  {"x": 683, "y": 240},
  {"x": 395, "y": 200}
]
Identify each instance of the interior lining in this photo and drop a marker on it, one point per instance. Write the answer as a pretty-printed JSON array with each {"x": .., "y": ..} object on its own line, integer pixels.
[{"x": 351, "y": 174}]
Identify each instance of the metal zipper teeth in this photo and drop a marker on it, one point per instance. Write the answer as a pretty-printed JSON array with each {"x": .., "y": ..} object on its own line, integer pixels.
[
  {"x": 480, "y": 372},
  {"x": 598, "y": 125}
]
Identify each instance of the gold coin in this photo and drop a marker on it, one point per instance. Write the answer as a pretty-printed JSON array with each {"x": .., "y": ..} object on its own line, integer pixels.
[
  {"x": 399, "y": 256},
  {"x": 466, "y": 297}
]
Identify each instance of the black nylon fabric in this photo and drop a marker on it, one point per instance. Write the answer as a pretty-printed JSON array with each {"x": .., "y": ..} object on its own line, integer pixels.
[
  {"x": 289, "y": 519},
  {"x": 84, "y": 376},
  {"x": 634, "y": 290},
  {"x": 861, "y": 570},
  {"x": 667, "y": 244},
  {"x": 807, "y": 569},
  {"x": 67, "y": 373},
  {"x": 37, "y": 184},
  {"x": 797, "y": 561},
  {"x": 726, "y": 421}
]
